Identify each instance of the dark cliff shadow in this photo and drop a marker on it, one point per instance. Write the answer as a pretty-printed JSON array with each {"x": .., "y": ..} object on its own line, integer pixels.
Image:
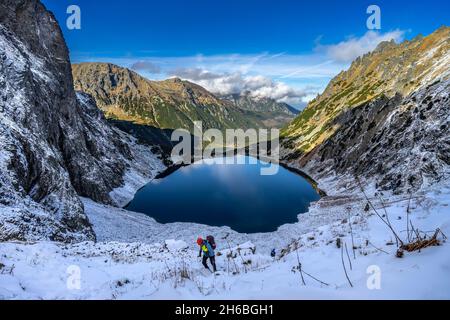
[
  {"x": 150, "y": 135},
  {"x": 147, "y": 135}
]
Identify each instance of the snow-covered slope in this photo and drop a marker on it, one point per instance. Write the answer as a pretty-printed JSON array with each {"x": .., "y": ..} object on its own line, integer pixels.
[
  {"x": 160, "y": 268},
  {"x": 54, "y": 143},
  {"x": 385, "y": 119}
]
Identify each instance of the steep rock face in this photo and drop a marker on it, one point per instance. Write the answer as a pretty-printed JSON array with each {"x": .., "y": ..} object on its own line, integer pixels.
[
  {"x": 54, "y": 143},
  {"x": 401, "y": 144},
  {"x": 384, "y": 120}
]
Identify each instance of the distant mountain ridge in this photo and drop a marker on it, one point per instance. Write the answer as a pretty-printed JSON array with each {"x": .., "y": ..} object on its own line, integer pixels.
[
  {"x": 276, "y": 113},
  {"x": 246, "y": 101},
  {"x": 170, "y": 104}
]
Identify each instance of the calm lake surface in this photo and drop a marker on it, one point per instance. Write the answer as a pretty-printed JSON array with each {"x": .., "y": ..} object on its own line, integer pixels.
[{"x": 234, "y": 195}]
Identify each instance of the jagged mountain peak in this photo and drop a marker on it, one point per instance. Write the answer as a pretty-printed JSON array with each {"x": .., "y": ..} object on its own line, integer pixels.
[
  {"x": 389, "y": 70},
  {"x": 170, "y": 104},
  {"x": 385, "y": 45}
]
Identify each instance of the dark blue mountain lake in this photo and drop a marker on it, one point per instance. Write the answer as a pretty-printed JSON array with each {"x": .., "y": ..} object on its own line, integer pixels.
[{"x": 234, "y": 195}]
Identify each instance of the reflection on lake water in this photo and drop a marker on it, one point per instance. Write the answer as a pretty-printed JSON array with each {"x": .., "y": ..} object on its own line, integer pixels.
[{"x": 234, "y": 195}]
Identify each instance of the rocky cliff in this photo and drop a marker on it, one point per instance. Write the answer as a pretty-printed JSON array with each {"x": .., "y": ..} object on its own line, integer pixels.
[
  {"x": 385, "y": 118},
  {"x": 54, "y": 143}
]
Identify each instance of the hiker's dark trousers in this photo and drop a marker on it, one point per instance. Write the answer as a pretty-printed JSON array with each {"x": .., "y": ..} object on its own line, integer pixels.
[{"x": 212, "y": 260}]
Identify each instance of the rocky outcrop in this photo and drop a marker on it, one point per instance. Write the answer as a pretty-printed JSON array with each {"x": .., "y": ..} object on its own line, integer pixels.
[
  {"x": 385, "y": 119},
  {"x": 400, "y": 144},
  {"x": 389, "y": 70},
  {"x": 54, "y": 143}
]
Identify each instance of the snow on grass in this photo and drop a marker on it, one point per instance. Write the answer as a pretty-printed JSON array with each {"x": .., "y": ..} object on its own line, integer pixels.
[{"x": 159, "y": 268}]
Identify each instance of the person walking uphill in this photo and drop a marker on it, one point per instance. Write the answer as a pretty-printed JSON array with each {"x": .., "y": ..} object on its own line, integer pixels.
[{"x": 207, "y": 247}]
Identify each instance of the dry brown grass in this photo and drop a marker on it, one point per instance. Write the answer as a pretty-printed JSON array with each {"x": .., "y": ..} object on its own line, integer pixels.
[{"x": 421, "y": 243}]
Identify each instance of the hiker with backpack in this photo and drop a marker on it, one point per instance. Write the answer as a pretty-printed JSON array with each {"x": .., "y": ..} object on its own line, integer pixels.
[{"x": 207, "y": 248}]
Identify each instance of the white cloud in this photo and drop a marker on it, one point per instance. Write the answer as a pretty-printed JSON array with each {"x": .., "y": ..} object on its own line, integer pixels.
[
  {"x": 146, "y": 66},
  {"x": 350, "y": 49},
  {"x": 258, "y": 86},
  {"x": 292, "y": 78}
]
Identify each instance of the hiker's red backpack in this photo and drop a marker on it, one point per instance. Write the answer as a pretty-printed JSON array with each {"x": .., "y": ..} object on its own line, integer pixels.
[{"x": 211, "y": 241}]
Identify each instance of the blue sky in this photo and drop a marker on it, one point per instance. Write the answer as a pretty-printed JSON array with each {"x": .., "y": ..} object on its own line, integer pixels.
[{"x": 287, "y": 50}]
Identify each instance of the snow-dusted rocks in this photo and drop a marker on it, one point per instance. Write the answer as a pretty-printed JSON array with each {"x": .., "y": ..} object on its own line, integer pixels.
[
  {"x": 398, "y": 144},
  {"x": 385, "y": 119},
  {"x": 54, "y": 144}
]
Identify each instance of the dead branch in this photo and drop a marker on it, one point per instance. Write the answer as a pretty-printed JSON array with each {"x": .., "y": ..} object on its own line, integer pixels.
[
  {"x": 377, "y": 213},
  {"x": 314, "y": 278},
  {"x": 423, "y": 243},
  {"x": 243, "y": 262},
  {"x": 408, "y": 211},
  {"x": 300, "y": 266},
  {"x": 343, "y": 265},
  {"x": 231, "y": 253},
  {"x": 303, "y": 272},
  {"x": 348, "y": 256},
  {"x": 377, "y": 247},
  {"x": 388, "y": 220},
  {"x": 351, "y": 233}
]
